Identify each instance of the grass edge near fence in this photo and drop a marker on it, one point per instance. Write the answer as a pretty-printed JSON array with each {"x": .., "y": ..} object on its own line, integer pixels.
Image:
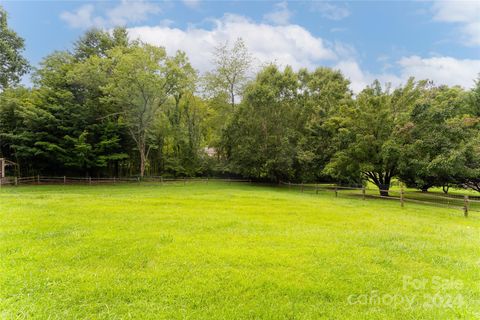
[{"x": 403, "y": 196}]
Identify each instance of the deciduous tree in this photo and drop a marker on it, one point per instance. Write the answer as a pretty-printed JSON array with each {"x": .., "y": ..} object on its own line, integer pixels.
[
  {"x": 372, "y": 127},
  {"x": 262, "y": 138},
  {"x": 12, "y": 64},
  {"x": 232, "y": 65},
  {"x": 139, "y": 85}
]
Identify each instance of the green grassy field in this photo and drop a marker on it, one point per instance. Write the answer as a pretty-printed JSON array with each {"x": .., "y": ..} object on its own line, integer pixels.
[{"x": 231, "y": 251}]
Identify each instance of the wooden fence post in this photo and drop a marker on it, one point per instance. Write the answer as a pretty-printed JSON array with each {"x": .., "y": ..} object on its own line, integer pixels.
[
  {"x": 402, "y": 200},
  {"x": 465, "y": 206},
  {"x": 114, "y": 180},
  {"x": 161, "y": 179},
  {"x": 336, "y": 192},
  {"x": 16, "y": 181},
  {"x": 89, "y": 180},
  {"x": 363, "y": 193},
  {"x": 207, "y": 180},
  {"x": 64, "y": 180},
  {"x": 38, "y": 179}
]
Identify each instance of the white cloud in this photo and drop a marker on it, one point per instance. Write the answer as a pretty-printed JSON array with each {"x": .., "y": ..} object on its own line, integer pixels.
[
  {"x": 286, "y": 45},
  {"x": 353, "y": 72},
  {"x": 360, "y": 79},
  {"x": 280, "y": 42},
  {"x": 295, "y": 46},
  {"x": 330, "y": 11},
  {"x": 131, "y": 11},
  {"x": 280, "y": 15},
  {"x": 125, "y": 12},
  {"x": 442, "y": 70},
  {"x": 464, "y": 13},
  {"x": 80, "y": 18}
]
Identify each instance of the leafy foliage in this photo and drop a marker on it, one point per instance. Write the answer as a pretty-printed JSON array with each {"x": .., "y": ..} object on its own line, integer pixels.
[
  {"x": 372, "y": 128},
  {"x": 113, "y": 106},
  {"x": 12, "y": 64}
]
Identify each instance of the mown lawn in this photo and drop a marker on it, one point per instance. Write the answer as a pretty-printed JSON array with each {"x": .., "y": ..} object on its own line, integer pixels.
[{"x": 231, "y": 251}]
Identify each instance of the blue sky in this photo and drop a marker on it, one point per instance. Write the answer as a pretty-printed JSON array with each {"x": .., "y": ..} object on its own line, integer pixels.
[{"x": 388, "y": 40}]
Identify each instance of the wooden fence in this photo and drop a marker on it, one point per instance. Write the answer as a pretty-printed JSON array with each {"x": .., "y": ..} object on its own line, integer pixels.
[
  {"x": 465, "y": 203},
  {"x": 461, "y": 202},
  {"x": 38, "y": 180}
]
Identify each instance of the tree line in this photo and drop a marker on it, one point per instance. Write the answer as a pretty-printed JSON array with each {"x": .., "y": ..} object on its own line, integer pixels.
[{"x": 112, "y": 106}]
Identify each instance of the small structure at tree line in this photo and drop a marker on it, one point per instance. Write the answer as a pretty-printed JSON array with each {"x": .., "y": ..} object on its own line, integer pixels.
[
  {"x": 209, "y": 151},
  {"x": 3, "y": 164}
]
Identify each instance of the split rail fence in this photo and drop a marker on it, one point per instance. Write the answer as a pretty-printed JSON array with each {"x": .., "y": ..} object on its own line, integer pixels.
[
  {"x": 456, "y": 201},
  {"x": 33, "y": 180},
  {"x": 465, "y": 203}
]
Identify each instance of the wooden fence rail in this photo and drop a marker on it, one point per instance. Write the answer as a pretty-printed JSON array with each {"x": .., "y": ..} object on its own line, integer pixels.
[
  {"x": 458, "y": 202},
  {"x": 461, "y": 202},
  {"x": 91, "y": 180}
]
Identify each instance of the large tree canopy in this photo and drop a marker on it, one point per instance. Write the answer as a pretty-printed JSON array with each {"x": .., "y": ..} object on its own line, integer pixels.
[
  {"x": 372, "y": 128},
  {"x": 138, "y": 85},
  {"x": 261, "y": 139},
  {"x": 12, "y": 64},
  {"x": 323, "y": 94},
  {"x": 434, "y": 137}
]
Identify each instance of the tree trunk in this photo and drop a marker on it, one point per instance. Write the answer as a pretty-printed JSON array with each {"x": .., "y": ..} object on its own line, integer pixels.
[
  {"x": 475, "y": 185},
  {"x": 424, "y": 188},
  {"x": 445, "y": 189},
  {"x": 142, "y": 161},
  {"x": 383, "y": 189},
  {"x": 232, "y": 96},
  {"x": 115, "y": 169},
  {"x": 381, "y": 180}
]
